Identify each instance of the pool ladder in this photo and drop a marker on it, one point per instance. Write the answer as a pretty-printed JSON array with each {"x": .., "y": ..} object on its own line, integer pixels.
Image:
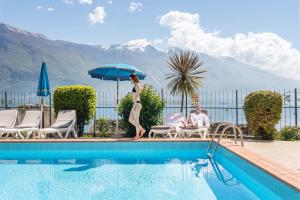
[
  {"x": 211, "y": 149},
  {"x": 227, "y": 181}
]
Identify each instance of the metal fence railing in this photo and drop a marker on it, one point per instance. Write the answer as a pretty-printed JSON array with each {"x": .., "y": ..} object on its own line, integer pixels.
[{"x": 222, "y": 105}]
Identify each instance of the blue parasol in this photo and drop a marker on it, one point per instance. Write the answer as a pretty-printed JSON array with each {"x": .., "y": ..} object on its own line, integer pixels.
[
  {"x": 43, "y": 87},
  {"x": 116, "y": 72}
]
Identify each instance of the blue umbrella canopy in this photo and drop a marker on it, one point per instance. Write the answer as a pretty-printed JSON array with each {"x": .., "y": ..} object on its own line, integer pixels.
[
  {"x": 44, "y": 87},
  {"x": 116, "y": 72}
]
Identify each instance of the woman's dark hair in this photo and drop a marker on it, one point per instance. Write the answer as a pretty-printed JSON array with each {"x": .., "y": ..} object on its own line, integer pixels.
[{"x": 135, "y": 78}]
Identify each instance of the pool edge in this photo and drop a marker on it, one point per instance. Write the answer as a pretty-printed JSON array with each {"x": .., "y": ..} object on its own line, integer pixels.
[
  {"x": 104, "y": 140},
  {"x": 289, "y": 176}
]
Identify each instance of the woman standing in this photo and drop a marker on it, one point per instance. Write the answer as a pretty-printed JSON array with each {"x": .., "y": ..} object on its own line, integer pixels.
[{"x": 134, "y": 117}]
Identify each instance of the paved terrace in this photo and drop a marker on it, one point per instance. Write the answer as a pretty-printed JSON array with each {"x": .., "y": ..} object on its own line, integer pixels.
[{"x": 283, "y": 152}]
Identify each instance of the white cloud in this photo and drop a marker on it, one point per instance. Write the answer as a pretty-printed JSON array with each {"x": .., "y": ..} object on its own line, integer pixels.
[
  {"x": 50, "y": 9},
  {"x": 39, "y": 7},
  {"x": 110, "y": 1},
  {"x": 135, "y": 7},
  {"x": 137, "y": 44},
  {"x": 68, "y": 2},
  {"x": 89, "y": 2},
  {"x": 140, "y": 44},
  {"x": 97, "y": 15},
  {"x": 265, "y": 50}
]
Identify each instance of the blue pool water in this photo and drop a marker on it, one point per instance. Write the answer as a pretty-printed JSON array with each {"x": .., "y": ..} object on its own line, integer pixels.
[{"x": 131, "y": 170}]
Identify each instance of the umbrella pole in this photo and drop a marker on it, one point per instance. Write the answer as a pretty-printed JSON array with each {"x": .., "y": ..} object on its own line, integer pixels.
[
  {"x": 42, "y": 110},
  {"x": 117, "y": 122}
]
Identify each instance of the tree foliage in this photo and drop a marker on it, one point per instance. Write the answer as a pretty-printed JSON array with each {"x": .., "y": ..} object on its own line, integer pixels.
[
  {"x": 185, "y": 77},
  {"x": 151, "y": 113},
  {"x": 79, "y": 98},
  {"x": 263, "y": 111}
]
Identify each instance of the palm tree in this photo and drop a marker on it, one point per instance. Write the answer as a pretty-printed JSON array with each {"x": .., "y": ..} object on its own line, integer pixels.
[{"x": 185, "y": 77}]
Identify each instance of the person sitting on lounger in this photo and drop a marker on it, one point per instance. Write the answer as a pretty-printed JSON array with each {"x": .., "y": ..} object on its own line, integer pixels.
[{"x": 198, "y": 119}]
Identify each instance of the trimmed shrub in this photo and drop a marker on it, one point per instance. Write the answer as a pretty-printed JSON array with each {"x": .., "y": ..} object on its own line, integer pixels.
[
  {"x": 151, "y": 113},
  {"x": 104, "y": 127},
  {"x": 79, "y": 98},
  {"x": 289, "y": 133},
  {"x": 263, "y": 110}
]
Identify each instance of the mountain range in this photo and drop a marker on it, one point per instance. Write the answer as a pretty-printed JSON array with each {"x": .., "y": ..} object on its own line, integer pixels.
[{"x": 22, "y": 52}]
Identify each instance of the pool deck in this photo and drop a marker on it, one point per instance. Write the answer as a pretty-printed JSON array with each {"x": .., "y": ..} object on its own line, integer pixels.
[
  {"x": 266, "y": 162},
  {"x": 283, "y": 152},
  {"x": 262, "y": 154}
]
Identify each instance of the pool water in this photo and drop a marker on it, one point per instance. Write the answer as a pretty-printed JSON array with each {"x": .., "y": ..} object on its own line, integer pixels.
[{"x": 131, "y": 170}]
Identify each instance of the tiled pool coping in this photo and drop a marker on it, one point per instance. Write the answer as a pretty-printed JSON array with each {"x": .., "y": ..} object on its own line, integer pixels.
[{"x": 289, "y": 176}]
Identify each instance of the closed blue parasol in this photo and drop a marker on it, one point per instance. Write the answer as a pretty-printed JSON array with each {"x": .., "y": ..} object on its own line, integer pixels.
[
  {"x": 116, "y": 72},
  {"x": 43, "y": 87}
]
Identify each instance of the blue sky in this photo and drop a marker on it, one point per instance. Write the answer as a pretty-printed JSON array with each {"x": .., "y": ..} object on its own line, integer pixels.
[
  {"x": 263, "y": 33},
  {"x": 70, "y": 21}
]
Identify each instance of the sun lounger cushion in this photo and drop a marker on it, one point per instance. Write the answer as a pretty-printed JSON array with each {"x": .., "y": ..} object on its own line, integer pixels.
[
  {"x": 24, "y": 126},
  {"x": 6, "y": 118},
  {"x": 64, "y": 119},
  {"x": 31, "y": 119},
  {"x": 162, "y": 127},
  {"x": 62, "y": 124},
  {"x": 191, "y": 128}
]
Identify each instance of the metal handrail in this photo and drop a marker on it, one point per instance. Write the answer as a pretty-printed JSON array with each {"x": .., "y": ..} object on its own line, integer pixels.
[
  {"x": 219, "y": 174},
  {"x": 226, "y": 126}
]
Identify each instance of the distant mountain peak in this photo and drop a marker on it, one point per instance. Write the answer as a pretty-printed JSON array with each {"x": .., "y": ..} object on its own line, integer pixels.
[
  {"x": 130, "y": 47},
  {"x": 21, "y": 31}
]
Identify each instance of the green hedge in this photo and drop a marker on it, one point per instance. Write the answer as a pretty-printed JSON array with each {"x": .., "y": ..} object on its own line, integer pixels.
[
  {"x": 289, "y": 133},
  {"x": 151, "y": 113},
  {"x": 79, "y": 98},
  {"x": 263, "y": 111},
  {"x": 104, "y": 127}
]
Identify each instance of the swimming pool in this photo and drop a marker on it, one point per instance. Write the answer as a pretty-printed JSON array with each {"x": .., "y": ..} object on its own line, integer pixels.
[{"x": 131, "y": 170}]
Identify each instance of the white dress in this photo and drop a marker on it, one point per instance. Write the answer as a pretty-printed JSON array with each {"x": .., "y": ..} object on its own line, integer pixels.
[{"x": 134, "y": 117}]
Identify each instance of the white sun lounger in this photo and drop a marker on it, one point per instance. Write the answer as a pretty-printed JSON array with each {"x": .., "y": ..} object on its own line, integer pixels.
[
  {"x": 201, "y": 131},
  {"x": 30, "y": 123},
  {"x": 170, "y": 129},
  {"x": 8, "y": 119},
  {"x": 64, "y": 123}
]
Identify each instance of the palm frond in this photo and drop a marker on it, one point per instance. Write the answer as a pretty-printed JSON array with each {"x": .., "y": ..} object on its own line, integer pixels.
[{"x": 186, "y": 71}]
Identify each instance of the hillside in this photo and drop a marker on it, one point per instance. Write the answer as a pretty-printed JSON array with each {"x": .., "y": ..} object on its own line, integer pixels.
[{"x": 22, "y": 52}]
